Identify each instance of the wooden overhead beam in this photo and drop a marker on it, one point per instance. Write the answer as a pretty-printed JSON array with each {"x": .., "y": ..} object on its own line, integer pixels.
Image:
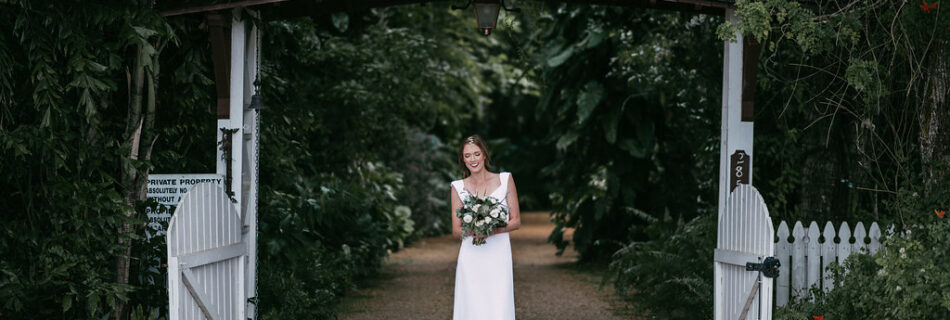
[
  {"x": 295, "y": 8},
  {"x": 220, "y": 6},
  {"x": 750, "y": 70},
  {"x": 219, "y": 33}
]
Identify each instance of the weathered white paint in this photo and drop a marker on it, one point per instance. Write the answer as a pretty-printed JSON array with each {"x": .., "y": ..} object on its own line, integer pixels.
[
  {"x": 217, "y": 281},
  {"x": 813, "y": 254},
  {"x": 745, "y": 234},
  {"x": 809, "y": 267},
  {"x": 236, "y": 120},
  {"x": 735, "y": 135},
  {"x": 781, "y": 282},
  {"x": 828, "y": 252},
  {"x": 798, "y": 260},
  {"x": 249, "y": 178},
  {"x": 206, "y": 257}
]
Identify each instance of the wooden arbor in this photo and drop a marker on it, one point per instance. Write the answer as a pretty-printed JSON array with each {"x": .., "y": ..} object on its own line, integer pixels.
[{"x": 235, "y": 71}]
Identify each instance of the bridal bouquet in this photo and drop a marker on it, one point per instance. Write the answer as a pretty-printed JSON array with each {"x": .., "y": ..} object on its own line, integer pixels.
[{"x": 480, "y": 216}]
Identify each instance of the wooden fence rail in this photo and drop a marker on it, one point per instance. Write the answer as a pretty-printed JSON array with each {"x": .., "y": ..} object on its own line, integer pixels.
[{"x": 806, "y": 256}]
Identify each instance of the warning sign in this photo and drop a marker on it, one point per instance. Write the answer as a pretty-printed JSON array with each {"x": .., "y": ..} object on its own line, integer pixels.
[{"x": 167, "y": 190}]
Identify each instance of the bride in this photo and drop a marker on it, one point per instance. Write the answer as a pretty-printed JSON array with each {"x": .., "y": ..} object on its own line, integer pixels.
[{"x": 483, "y": 276}]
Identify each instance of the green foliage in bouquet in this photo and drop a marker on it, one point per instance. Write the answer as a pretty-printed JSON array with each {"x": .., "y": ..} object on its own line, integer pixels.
[{"x": 480, "y": 217}]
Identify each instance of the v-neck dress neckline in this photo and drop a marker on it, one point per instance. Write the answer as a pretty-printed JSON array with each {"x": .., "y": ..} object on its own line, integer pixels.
[{"x": 500, "y": 185}]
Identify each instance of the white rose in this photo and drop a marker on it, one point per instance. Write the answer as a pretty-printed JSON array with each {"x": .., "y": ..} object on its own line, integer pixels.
[
  {"x": 476, "y": 207},
  {"x": 494, "y": 213},
  {"x": 504, "y": 217},
  {"x": 487, "y": 220},
  {"x": 467, "y": 218},
  {"x": 479, "y": 223}
]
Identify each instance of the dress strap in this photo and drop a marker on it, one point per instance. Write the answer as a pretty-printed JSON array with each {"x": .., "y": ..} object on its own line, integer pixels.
[
  {"x": 504, "y": 182},
  {"x": 459, "y": 187}
]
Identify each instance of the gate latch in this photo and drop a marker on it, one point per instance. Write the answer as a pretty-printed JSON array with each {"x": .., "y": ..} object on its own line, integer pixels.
[{"x": 769, "y": 267}]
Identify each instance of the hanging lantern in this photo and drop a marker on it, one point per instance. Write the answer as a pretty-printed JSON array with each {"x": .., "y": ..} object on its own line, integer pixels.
[{"x": 486, "y": 13}]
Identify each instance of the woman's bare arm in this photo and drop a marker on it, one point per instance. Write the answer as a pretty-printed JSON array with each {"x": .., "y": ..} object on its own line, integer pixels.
[
  {"x": 456, "y": 203},
  {"x": 514, "y": 210}
]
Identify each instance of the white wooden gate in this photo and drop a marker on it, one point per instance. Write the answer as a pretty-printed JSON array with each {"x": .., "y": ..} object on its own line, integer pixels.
[
  {"x": 206, "y": 257},
  {"x": 745, "y": 236}
]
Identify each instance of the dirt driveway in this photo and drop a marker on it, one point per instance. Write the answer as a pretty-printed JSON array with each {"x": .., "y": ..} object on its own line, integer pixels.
[{"x": 418, "y": 282}]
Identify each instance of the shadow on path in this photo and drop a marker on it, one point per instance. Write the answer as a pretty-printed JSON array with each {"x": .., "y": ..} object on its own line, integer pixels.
[{"x": 418, "y": 282}]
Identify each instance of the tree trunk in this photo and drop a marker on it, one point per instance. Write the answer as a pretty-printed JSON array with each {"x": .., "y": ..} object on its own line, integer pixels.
[
  {"x": 934, "y": 117},
  {"x": 139, "y": 131}
]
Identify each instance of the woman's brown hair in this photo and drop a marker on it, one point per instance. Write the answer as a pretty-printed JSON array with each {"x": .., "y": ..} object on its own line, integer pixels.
[{"x": 478, "y": 142}]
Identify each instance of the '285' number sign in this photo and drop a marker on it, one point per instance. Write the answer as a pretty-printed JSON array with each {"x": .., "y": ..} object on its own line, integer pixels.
[{"x": 739, "y": 170}]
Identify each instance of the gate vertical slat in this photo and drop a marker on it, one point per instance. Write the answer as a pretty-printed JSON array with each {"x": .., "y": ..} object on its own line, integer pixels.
[
  {"x": 767, "y": 246},
  {"x": 798, "y": 260},
  {"x": 828, "y": 252},
  {"x": 860, "y": 234},
  {"x": 844, "y": 250},
  {"x": 782, "y": 252},
  {"x": 813, "y": 253},
  {"x": 874, "y": 233}
]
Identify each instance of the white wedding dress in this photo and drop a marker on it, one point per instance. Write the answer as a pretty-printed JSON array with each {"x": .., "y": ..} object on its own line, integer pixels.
[{"x": 483, "y": 276}]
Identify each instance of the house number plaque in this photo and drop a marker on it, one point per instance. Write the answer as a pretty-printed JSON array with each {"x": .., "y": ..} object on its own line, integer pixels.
[{"x": 739, "y": 169}]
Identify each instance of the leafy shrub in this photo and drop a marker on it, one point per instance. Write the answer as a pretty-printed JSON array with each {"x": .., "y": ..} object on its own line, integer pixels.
[
  {"x": 907, "y": 279},
  {"x": 322, "y": 236},
  {"x": 669, "y": 276},
  {"x": 426, "y": 170}
]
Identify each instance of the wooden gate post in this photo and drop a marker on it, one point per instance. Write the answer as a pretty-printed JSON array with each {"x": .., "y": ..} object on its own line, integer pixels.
[
  {"x": 740, "y": 62},
  {"x": 238, "y": 134},
  {"x": 230, "y": 125},
  {"x": 738, "y": 84},
  {"x": 250, "y": 158}
]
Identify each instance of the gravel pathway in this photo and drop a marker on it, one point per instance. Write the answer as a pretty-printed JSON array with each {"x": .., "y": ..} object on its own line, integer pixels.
[{"x": 418, "y": 282}]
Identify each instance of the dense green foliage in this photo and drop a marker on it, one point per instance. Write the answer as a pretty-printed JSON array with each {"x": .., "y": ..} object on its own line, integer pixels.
[
  {"x": 630, "y": 109},
  {"x": 632, "y": 101},
  {"x": 881, "y": 104},
  {"x": 862, "y": 108},
  {"x": 63, "y": 151},
  {"x": 607, "y": 115},
  {"x": 351, "y": 167},
  {"x": 844, "y": 130},
  {"x": 351, "y": 164},
  {"x": 669, "y": 275},
  {"x": 371, "y": 104}
]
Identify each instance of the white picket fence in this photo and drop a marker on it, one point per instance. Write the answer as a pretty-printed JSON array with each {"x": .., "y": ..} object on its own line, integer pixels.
[{"x": 808, "y": 257}]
